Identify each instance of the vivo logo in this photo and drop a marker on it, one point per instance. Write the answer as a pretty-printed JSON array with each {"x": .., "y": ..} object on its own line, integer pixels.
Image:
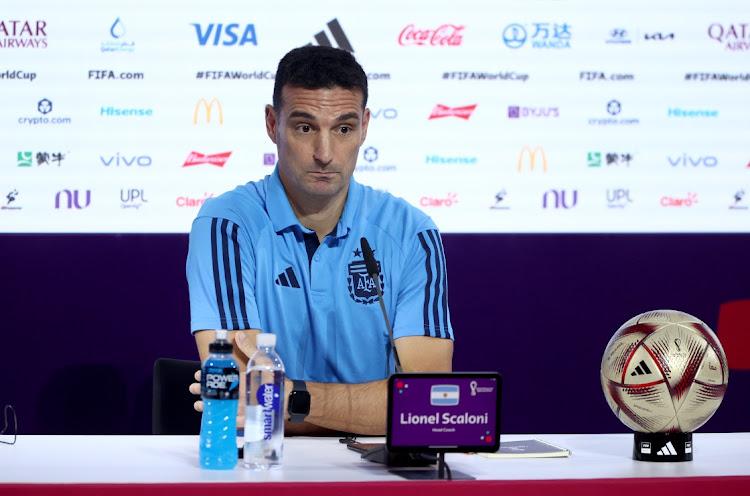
[
  {"x": 389, "y": 113},
  {"x": 229, "y": 35},
  {"x": 72, "y": 198},
  {"x": 118, "y": 160},
  {"x": 686, "y": 160},
  {"x": 559, "y": 198}
]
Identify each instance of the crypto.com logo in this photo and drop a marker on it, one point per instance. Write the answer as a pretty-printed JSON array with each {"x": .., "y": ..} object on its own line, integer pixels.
[
  {"x": 526, "y": 151},
  {"x": 441, "y": 111},
  {"x": 208, "y": 106}
]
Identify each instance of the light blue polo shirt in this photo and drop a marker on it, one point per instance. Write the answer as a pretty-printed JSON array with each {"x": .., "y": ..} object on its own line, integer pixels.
[{"x": 248, "y": 268}]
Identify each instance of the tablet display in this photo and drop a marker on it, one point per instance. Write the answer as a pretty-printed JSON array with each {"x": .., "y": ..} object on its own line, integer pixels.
[{"x": 457, "y": 411}]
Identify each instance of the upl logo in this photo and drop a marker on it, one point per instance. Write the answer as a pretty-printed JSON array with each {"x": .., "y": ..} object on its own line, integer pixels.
[
  {"x": 528, "y": 158},
  {"x": 208, "y": 106},
  {"x": 227, "y": 35}
]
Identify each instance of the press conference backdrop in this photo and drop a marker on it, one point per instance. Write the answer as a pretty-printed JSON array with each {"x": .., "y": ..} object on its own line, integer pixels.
[{"x": 516, "y": 116}]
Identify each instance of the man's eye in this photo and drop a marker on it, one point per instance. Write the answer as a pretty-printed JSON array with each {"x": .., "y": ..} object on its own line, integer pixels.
[
  {"x": 345, "y": 129},
  {"x": 304, "y": 128}
]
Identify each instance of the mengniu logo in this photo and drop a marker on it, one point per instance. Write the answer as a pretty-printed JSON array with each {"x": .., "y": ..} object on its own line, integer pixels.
[
  {"x": 321, "y": 38},
  {"x": 429, "y": 201},
  {"x": 361, "y": 286},
  {"x": 594, "y": 159},
  {"x": 689, "y": 200},
  {"x": 444, "y": 35},
  {"x": 217, "y": 159},
  {"x": 26, "y": 158},
  {"x": 441, "y": 111},
  {"x": 208, "y": 107},
  {"x": 686, "y": 160},
  {"x": 118, "y": 43},
  {"x": 559, "y": 199},
  {"x": 71, "y": 199},
  {"x": 526, "y": 151},
  {"x": 23, "y": 34},
  {"x": 11, "y": 197},
  {"x": 543, "y": 35},
  {"x": 734, "y": 37},
  {"x": 226, "y": 35}
]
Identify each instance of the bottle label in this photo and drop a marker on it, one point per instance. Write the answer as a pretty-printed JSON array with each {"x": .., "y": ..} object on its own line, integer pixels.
[
  {"x": 220, "y": 383},
  {"x": 268, "y": 397}
]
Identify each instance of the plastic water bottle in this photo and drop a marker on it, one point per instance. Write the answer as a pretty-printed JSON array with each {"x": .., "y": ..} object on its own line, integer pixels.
[
  {"x": 264, "y": 415},
  {"x": 220, "y": 391}
]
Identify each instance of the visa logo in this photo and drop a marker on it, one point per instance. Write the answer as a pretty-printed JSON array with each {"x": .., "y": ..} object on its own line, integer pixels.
[
  {"x": 444, "y": 395},
  {"x": 228, "y": 33}
]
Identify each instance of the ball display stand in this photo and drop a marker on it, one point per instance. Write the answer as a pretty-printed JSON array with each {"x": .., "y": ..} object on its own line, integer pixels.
[{"x": 663, "y": 447}]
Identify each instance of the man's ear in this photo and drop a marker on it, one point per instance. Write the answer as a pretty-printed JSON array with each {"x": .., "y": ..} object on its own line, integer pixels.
[{"x": 271, "y": 122}]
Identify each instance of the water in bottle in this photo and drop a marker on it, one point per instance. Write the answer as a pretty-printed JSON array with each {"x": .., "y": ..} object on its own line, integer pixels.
[
  {"x": 220, "y": 380},
  {"x": 264, "y": 404}
]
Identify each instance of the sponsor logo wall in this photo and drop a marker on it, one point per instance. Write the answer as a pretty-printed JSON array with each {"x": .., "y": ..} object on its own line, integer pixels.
[{"x": 516, "y": 117}]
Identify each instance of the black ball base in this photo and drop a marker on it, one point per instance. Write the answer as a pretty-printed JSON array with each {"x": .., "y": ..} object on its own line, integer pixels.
[{"x": 663, "y": 447}]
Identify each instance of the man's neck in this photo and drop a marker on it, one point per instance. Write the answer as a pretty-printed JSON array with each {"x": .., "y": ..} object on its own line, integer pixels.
[{"x": 320, "y": 215}]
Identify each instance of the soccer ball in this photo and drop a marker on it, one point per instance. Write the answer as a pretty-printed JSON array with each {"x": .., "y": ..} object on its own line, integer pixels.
[{"x": 664, "y": 371}]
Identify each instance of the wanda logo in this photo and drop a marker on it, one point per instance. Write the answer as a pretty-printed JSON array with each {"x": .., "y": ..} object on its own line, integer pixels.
[
  {"x": 447, "y": 34},
  {"x": 441, "y": 111}
]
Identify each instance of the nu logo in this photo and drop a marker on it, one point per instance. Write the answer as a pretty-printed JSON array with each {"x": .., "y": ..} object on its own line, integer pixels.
[
  {"x": 526, "y": 151},
  {"x": 559, "y": 199},
  {"x": 338, "y": 35},
  {"x": 73, "y": 199},
  {"x": 208, "y": 106}
]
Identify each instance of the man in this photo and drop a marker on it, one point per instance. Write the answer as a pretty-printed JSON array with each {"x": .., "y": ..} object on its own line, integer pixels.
[{"x": 283, "y": 255}]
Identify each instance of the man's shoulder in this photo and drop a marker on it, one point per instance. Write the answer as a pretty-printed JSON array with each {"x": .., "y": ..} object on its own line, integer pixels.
[
  {"x": 392, "y": 214},
  {"x": 244, "y": 205}
]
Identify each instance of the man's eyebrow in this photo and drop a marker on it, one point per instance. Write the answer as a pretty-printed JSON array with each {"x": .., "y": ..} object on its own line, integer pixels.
[
  {"x": 350, "y": 115},
  {"x": 303, "y": 115}
]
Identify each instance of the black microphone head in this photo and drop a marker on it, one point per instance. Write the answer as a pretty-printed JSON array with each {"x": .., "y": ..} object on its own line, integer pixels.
[{"x": 370, "y": 263}]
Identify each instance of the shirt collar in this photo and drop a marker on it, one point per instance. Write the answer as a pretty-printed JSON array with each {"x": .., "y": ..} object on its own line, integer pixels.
[{"x": 282, "y": 216}]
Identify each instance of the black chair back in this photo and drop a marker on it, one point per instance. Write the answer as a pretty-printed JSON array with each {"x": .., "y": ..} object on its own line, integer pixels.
[{"x": 173, "y": 411}]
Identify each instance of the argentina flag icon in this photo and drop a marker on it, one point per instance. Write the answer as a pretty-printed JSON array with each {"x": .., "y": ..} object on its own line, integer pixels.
[{"x": 444, "y": 395}]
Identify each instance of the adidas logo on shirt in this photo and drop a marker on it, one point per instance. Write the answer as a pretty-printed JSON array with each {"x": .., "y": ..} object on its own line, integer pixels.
[{"x": 287, "y": 279}]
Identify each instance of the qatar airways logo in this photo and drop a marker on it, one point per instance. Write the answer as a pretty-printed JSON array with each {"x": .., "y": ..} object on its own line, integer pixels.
[
  {"x": 688, "y": 201},
  {"x": 217, "y": 159},
  {"x": 448, "y": 201},
  {"x": 445, "y": 35},
  {"x": 441, "y": 111}
]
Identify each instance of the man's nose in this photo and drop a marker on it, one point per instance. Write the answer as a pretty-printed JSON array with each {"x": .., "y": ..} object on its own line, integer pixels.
[{"x": 323, "y": 152}]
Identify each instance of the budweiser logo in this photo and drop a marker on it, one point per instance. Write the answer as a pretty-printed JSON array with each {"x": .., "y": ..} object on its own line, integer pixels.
[
  {"x": 460, "y": 112},
  {"x": 217, "y": 159},
  {"x": 447, "y": 34}
]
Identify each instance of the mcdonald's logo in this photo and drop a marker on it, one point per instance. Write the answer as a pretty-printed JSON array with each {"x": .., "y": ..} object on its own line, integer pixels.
[
  {"x": 526, "y": 151},
  {"x": 209, "y": 107}
]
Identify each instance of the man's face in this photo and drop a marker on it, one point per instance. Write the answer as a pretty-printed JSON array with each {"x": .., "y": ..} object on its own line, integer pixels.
[{"x": 318, "y": 134}]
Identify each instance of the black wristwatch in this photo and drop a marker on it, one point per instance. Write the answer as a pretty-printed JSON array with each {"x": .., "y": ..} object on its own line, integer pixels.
[{"x": 299, "y": 402}]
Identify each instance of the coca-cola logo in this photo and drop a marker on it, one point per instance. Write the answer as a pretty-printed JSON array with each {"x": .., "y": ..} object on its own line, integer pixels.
[
  {"x": 447, "y": 34},
  {"x": 441, "y": 111},
  {"x": 217, "y": 159}
]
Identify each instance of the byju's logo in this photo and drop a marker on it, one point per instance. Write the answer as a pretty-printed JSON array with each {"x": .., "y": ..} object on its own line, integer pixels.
[
  {"x": 735, "y": 38},
  {"x": 529, "y": 157},
  {"x": 25, "y": 159},
  {"x": 738, "y": 197},
  {"x": 500, "y": 201},
  {"x": 445, "y": 35},
  {"x": 123, "y": 160},
  {"x": 441, "y": 111},
  {"x": 132, "y": 198},
  {"x": 118, "y": 43},
  {"x": 544, "y": 35},
  {"x": 559, "y": 199},
  {"x": 338, "y": 35},
  {"x": 686, "y": 160},
  {"x": 217, "y": 159},
  {"x": 515, "y": 112},
  {"x": 594, "y": 159},
  {"x": 23, "y": 34},
  {"x": 689, "y": 200},
  {"x": 71, "y": 199},
  {"x": 11, "y": 198},
  {"x": 208, "y": 106},
  {"x": 228, "y": 35},
  {"x": 618, "y": 198},
  {"x": 269, "y": 159},
  {"x": 618, "y": 36}
]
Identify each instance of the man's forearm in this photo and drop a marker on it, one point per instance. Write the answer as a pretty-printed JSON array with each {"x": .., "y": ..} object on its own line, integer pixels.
[{"x": 355, "y": 408}]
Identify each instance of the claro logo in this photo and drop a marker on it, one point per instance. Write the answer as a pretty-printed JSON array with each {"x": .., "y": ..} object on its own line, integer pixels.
[
  {"x": 208, "y": 106},
  {"x": 526, "y": 151},
  {"x": 448, "y": 201},
  {"x": 691, "y": 199}
]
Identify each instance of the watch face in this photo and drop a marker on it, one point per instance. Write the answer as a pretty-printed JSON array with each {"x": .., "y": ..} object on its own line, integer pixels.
[{"x": 299, "y": 402}]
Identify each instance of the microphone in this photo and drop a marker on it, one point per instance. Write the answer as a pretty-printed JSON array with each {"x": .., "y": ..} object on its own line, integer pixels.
[{"x": 372, "y": 271}]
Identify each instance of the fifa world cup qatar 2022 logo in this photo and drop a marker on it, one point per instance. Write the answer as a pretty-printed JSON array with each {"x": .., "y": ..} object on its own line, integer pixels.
[{"x": 361, "y": 286}]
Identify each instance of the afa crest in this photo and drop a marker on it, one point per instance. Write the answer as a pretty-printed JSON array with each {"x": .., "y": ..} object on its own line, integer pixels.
[{"x": 361, "y": 285}]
